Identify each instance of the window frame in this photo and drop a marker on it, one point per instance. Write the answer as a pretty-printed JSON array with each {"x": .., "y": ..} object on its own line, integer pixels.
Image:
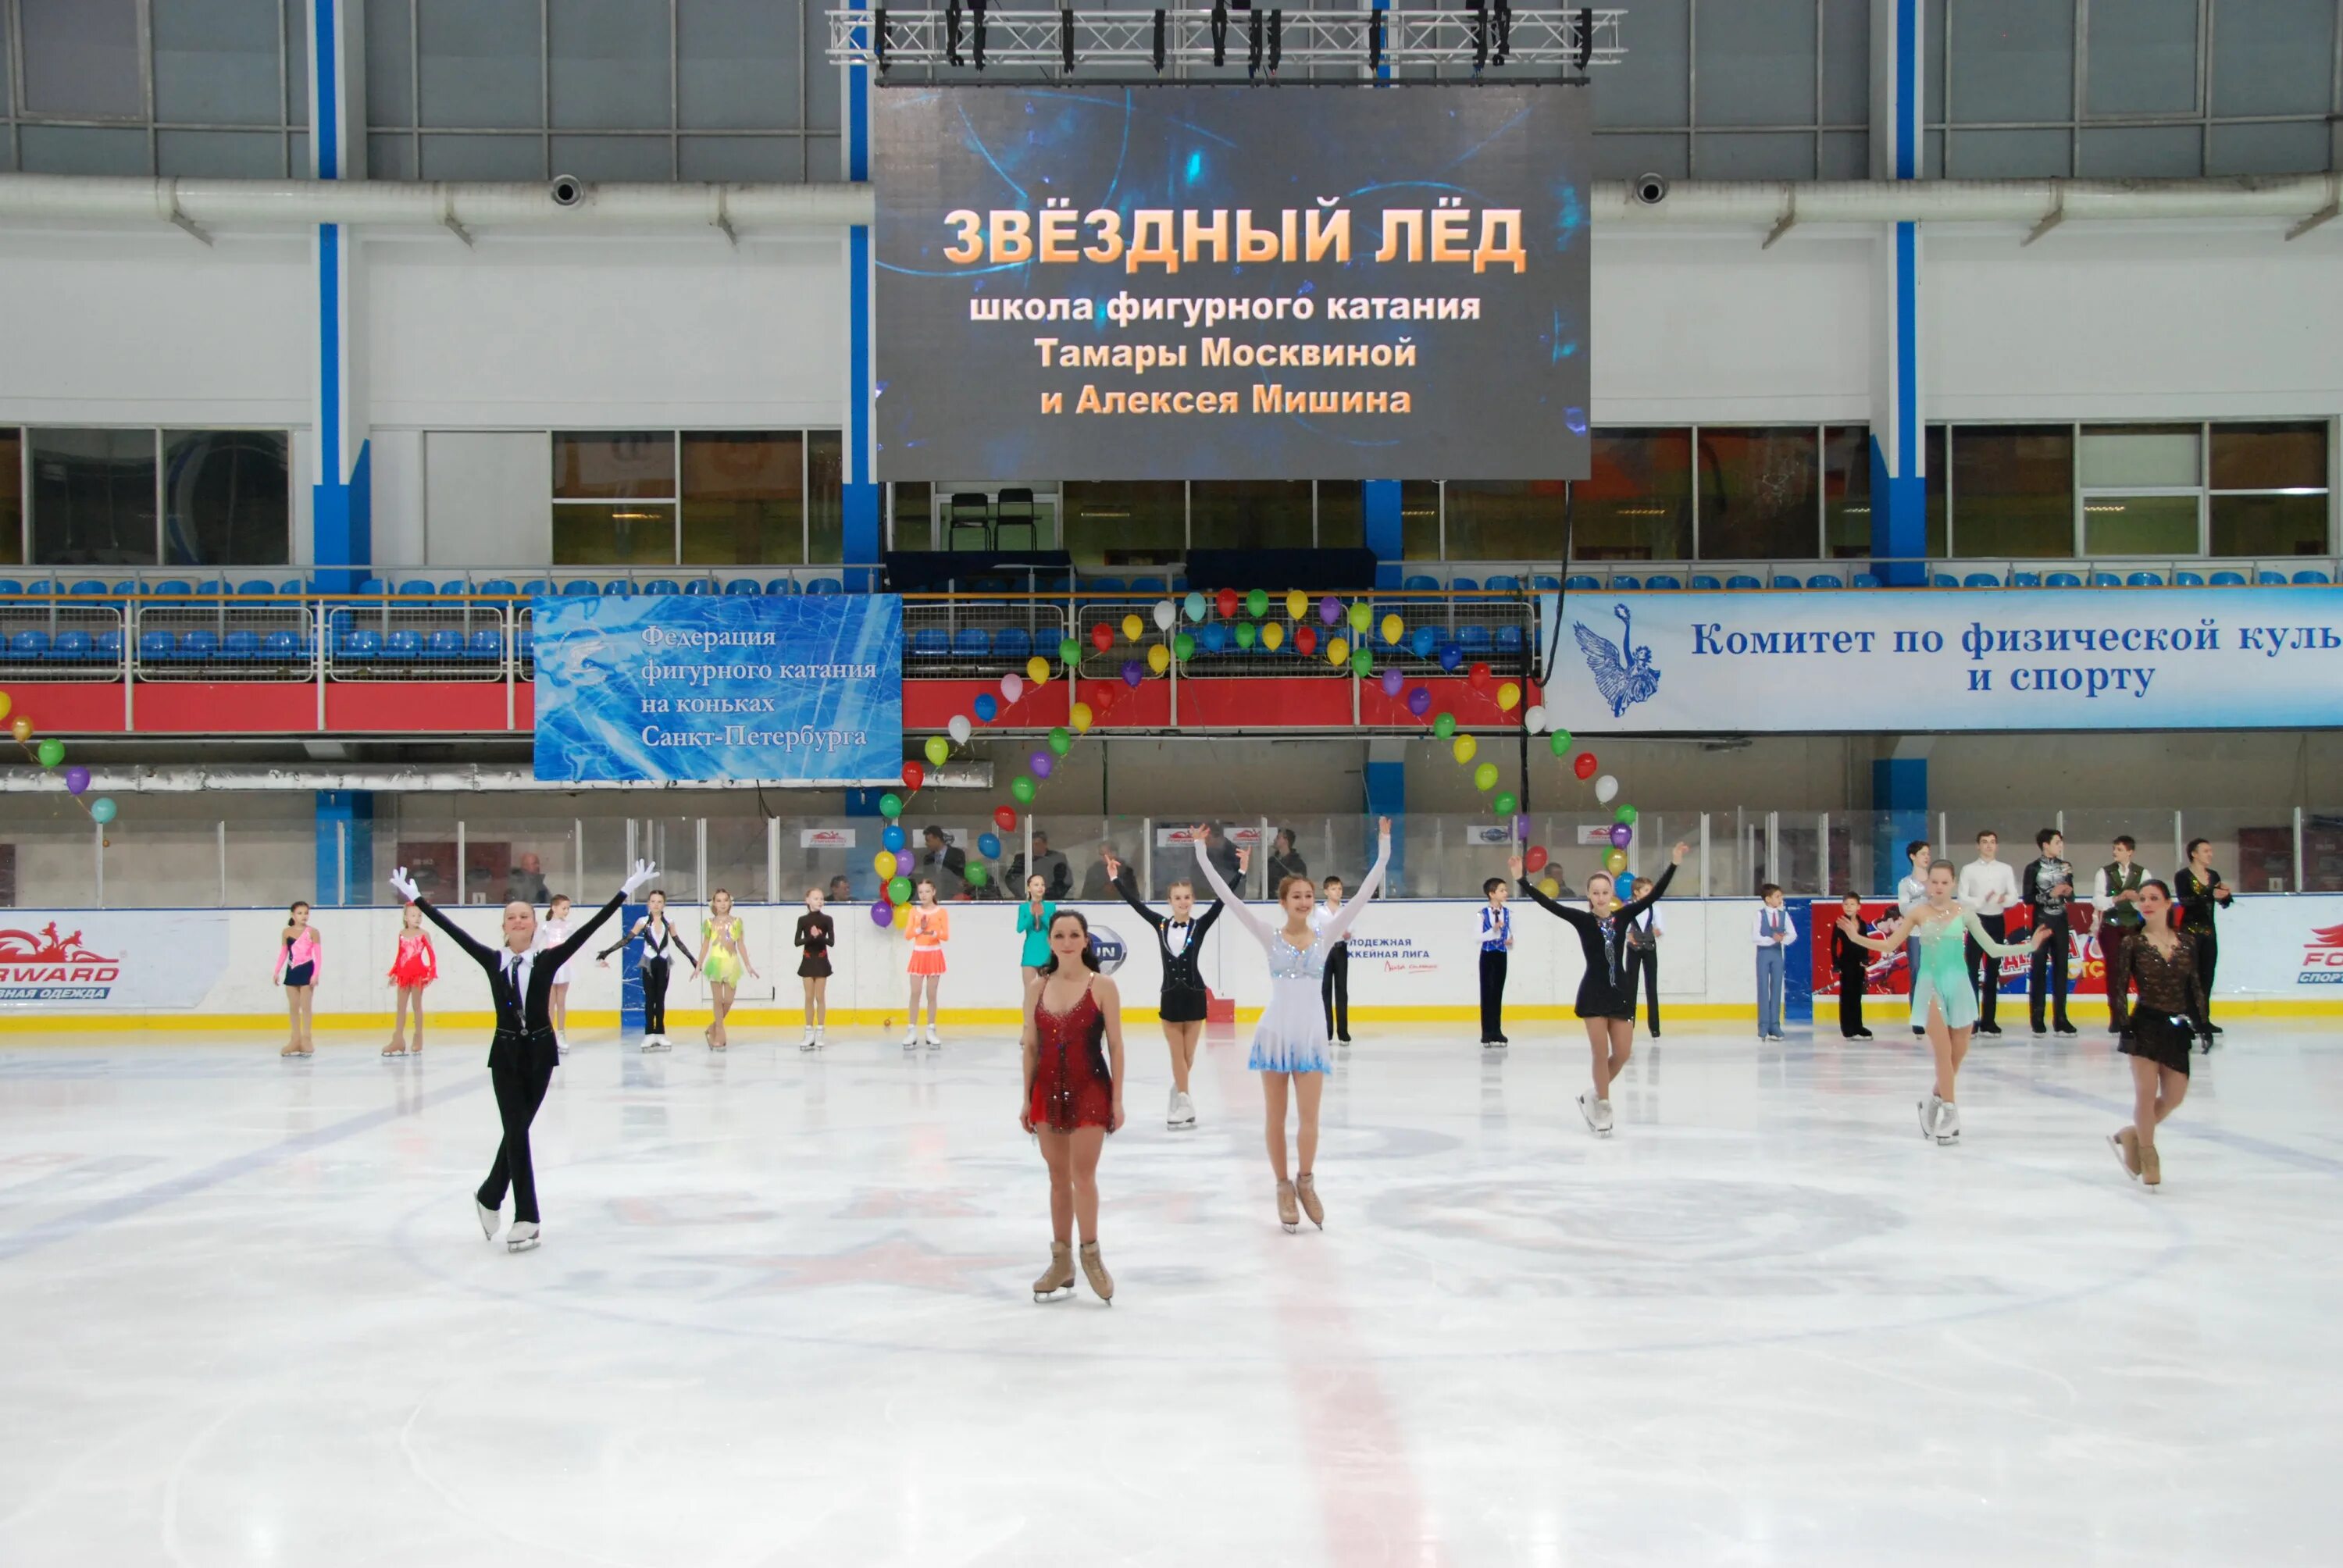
[
  {"x": 27, "y": 523},
  {"x": 675, "y": 499}
]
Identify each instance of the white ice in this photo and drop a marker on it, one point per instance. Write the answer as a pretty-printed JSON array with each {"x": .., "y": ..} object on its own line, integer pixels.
[{"x": 782, "y": 1314}]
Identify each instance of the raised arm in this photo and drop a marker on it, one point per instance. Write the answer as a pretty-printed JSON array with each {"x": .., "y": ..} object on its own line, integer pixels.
[
  {"x": 1236, "y": 906},
  {"x": 482, "y": 954},
  {"x": 1532, "y": 891},
  {"x": 1129, "y": 895},
  {"x": 632, "y": 932},
  {"x": 1886, "y": 944},
  {"x": 1636, "y": 909},
  {"x": 2001, "y": 950},
  {"x": 1356, "y": 904},
  {"x": 567, "y": 948}
]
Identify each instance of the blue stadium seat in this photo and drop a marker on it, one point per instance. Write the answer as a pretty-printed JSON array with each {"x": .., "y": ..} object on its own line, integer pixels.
[
  {"x": 1705, "y": 583},
  {"x": 1013, "y": 642},
  {"x": 661, "y": 588},
  {"x": 1581, "y": 583},
  {"x": 1149, "y": 585},
  {"x": 418, "y": 587},
  {"x": 29, "y": 645},
  {"x": 10, "y": 587},
  {"x": 501, "y": 585},
  {"x": 255, "y": 586},
  {"x": 2312, "y": 579},
  {"x": 536, "y": 586},
  {"x": 1510, "y": 640},
  {"x": 1464, "y": 585},
  {"x": 2062, "y": 579},
  {"x": 825, "y": 586},
  {"x": 2145, "y": 579},
  {"x": 198, "y": 647},
  {"x": 373, "y": 585},
  {"x": 972, "y": 642},
  {"x": 931, "y": 642},
  {"x": 2105, "y": 580},
  {"x": 361, "y": 647},
  {"x": 1981, "y": 579},
  {"x": 1742, "y": 582},
  {"x": 167, "y": 587},
  {"x": 1663, "y": 581},
  {"x": 1825, "y": 580},
  {"x": 1865, "y": 579},
  {"x": 2026, "y": 580},
  {"x": 404, "y": 646},
  {"x": 784, "y": 586},
  {"x": 485, "y": 645},
  {"x": 1544, "y": 584},
  {"x": 742, "y": 588},
  {"x": 1504, "y": 583},
  {"x": 1107, "y": 584},
  {"x": 71, "y": 647},
  {"x": 700, "y": 588},
  {"x": 1475, "y": 641},
  {"x": 1419, "y": 583},
  {"x": 2270, "y": 580},
  {"x": 240, "y": 648},
  {"x": 154, "y": 647},
  {"x": 2187, "y": 580},
  {"x": 1781, "y": 581},
  {"x": 281, "y": 647},
  {"x": 619, "y": 588},
  {"x": 2228, "y": 580},
  {"x": 579, "y": 588},
  {"x": 88, "y": 587},
  {"x": 294, "y": 584},
  {"x": 1943, "y": 579},
  {"x": 1626, "y": 582},
  {"x": 107, "y": 647},
  {"x": 446, "y": 644},
  {"x": 456, "y": 588}
]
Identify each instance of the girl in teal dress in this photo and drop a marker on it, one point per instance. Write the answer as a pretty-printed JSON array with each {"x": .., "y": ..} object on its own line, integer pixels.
[
  {"x": 1033, "y": 917},
  {"x": 1941, "y": 989}
]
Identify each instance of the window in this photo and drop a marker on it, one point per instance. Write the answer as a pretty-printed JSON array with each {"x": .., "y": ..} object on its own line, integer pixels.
[
  {"x": 1504, "y": 519},
  {"x": 94, "y": 498},
  {"x": 2270, "y": 489},
  {"x": 12, "y": 498},
  {"x": 2142, "y": 488},
  {"x": 1134, "y": 522},
  {"x": 1343, "y": 514},
  {"x": 1846, "y": 492},
  {"x": 614, "y": 499},
  {"x": 707, "y": 499},
  {"x": 743, "y": 497},
  {"x": 1419, "y": 520},
  {"x": 1635, "y": 502},
  {"x": 824, "y": 496},
  {"x": 1760, "y": 493},
  {"x": 1250, "y": 515},
  {"x": 148, "y": 497},
  {"x": 2012, "y": 490},
  {"x": 226, "y": 499}
]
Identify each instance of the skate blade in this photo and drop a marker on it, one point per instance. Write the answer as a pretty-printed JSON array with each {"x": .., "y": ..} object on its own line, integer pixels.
[
  {"x": 529, "y": 1245},
  {"x": 1293, "y": 1230},
  {"x": 1062, "y": 1294}
]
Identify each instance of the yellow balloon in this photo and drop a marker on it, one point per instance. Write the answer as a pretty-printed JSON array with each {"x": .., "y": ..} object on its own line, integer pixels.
[
  {"x": 1272, "y": 635},
  {"x": 1337, "y": 651},
  {"x": 1297, "y": 605},
  {"x": 1037, "y": 670},
  {"x": 1079, "y": 717},
  {"x": 21, "y": 729},
  {"x": 902, "y": 915},
  {"x": 1392, "y": 629},
  {"x": 883, "y": 862},
  {"x": 1615, "y": 862},
  {"x": 1509, "y": 696},
  {"x": 1549, "y": 886},
  {"x": 1133, "y": 628},
  {"x": 1159, "y": 658},
  {"x": 1466, "y": 749},
  {"x": 6, "y": 702}
]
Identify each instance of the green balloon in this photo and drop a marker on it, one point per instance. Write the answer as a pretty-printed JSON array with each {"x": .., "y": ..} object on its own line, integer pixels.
[
  {"x": 976, "y": 874},
  {"x": 1021, "y": 788},
  {"x": 1070, "y": 653},
  {"x": 1060, "y": 741},
  {"x": 1245, "y": 633},
  {"x": 1444, "y": 725},
  {"x": 939, "y": 750},
  {"x": 1194, "y": 604},
  {"x": 899, "y": 892},
  {"x": 1560, "y": 741},
  {"x": 1363, "y": 661},
  {"x": 1626, "y": 814},
  {"x": 890, "y": 806},
  {"x": 53, "y": 751},
  {"x": 1504, "y": 803},
  {"x": 1257, "y": 603},
  {"x": 1360, "y": 616},
  {"x": 1484, "y": 777},
  {"x": 1183, "y": 648}
]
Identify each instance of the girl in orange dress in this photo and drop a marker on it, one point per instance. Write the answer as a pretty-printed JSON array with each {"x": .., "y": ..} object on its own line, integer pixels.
[
  {"x": 414, "y": 967},
  {"x": 1073, "y": 1096},
  {"x": 930, "y": 928}
]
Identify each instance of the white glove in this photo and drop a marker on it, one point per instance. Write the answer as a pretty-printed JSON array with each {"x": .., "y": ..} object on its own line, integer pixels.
[
  {"x": 404, "y": 885},
  {"x": 644, "y": 871}
]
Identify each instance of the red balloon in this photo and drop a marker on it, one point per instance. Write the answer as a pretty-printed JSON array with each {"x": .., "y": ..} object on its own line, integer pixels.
[
  {"x": 1101, "y": 637},
  {"x": 1226, "y": 603},
  {"x": 1535, "y": 859},
  {"x": 1478, "y": 678},
  {"x": 913, "y": 775},
  {"x": 1585, "y": 765},
  {"x": 1004, "y": 817},
  {"x": 1305, "y": 639}
]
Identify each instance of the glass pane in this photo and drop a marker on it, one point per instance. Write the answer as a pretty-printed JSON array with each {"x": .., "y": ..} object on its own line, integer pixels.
[
  {"x": 2139, "y": 525},
  {"x": 635, "y": 158},
  {"x": 1754, "y": 63},
  {"x": 1758, "y": 493},
  {"x": 1507, "y": 520},
  {"x": 821, "y": 109},
  {"x": 2142, "y": 152},
  {"x": 12, "y": 496},
  {"x": 2269, "y": 524},
  {"x": 482, "y": 64},
  {"x": 743, "y": 497},
  {"x": 215, "y": 62},
  {"x": 1754, "y": 155},
  {"x": 1652, "y": 85},
  {"x": 1940, "y": 530},
  {"x": 82, "y": 150},
  {"x": 1419, "y": 520},
  {"x": 613, "y": 465},
  {"x": 226, "y": 499},
  {"x": 1626, "y": 158},
  {"x": 1126, "y": 523},
  {"x": 609, "y": 64},
  {"x": 94, "y": 498},
  {"x": 1846, "y": 62},
  {"x": 296, "y": 40},
  {"x": 2269, "y": 457},
  {"x": 2011, "y": 60},
  {"x": 1845, "y": 156},
  {"x": 511, "y": 158},
  {"x": 1846, "y": 491},
  {"x": 2296, "y": 147},
  {"x": 626, "y": 533},
  {"x": 2008, "y": 155},
  {"x": 914, "y": 524},
  {"x": 81, "y": 58},
  {"x": 737, "y": 67},
  {"x": 7, "y": 87},
  {"x": 389, "y": 63},
  {"x": 2140, "y": 57},
  {"x": 390, "y": 157},
  {"x": 2014, "y": 490},
  {"x": 2272, "y": 57},
  {"x": 741, "y": 160},
  {"x": 1343, "y": 514},
  {"x": 2139, "y": 456},
  {"x": 1248, "y": 514},
  {"x": 824, "y": 496},
  {"x": 221, "y": 155},
  {"x": 1635, "y": 502}
]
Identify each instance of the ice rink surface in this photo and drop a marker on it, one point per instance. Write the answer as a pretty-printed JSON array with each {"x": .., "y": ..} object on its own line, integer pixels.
[{"x": 782, "y": 1314}]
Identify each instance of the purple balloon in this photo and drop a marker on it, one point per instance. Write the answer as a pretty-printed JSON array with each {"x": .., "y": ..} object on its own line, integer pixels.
[
  {"x": 1393, "y": 681},
  {"x": 1419, "y": 701},
  {"x": 1622, "y": 836},
  {"x": 77, "y": 778},
  {"x": 1329, "y": 609},
  {"x": 1522, "y": 827},
  {"x": 1039, "y": 763},
  {"x": 882, "y": 913},
  {"x": 1133, "y": 672}
]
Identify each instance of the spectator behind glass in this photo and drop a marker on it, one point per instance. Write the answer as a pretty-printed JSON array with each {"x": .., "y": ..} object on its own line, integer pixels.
[
  {"x": 1098, "y": 885},
  {"x": 525, "y": 883}
]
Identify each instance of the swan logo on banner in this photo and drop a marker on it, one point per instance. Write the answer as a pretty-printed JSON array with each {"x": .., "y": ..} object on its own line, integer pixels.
[
  {"x": 1107, "y": 950},
  {"x": 1622, "y": 672}
]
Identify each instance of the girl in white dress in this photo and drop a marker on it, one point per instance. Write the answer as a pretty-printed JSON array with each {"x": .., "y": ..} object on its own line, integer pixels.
[
  {"x": 1290, "y": 1042},
  {"x": 551, "y": 932}
]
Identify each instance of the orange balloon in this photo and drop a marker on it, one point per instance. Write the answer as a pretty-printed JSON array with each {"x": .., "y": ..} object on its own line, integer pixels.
[{"x": 22, "y": 730}]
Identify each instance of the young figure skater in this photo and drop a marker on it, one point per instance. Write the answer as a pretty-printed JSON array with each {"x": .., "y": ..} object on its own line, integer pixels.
[
  {"x": 1643, "y": 968},
  {"x": 2197, "y": 888},
  {"x": 1290, "y": 1043},
  {"x": 412, "y": 967},
  {"x": 1073, "y": 1096},
  {"x": 1178, "y": 940},
  {"x": 723, "y": 954},
  {"x": 552, "y": 931},
  {"x": 1910, "y": 894},
  {"x": 1774, "y": 933},
  {"x": 300, "y": 957},
  {"x": 521, "y": 1057},
  {"x": 2045, "y": 887},
  {"x": 817, "y": 933},
  {"x": 1334, "y": 989},
  {"x": 1988, "y": 887},
  {"x": 2162, "y": 963},
  {"x": 1496, "y": 941},
  {"x": 1033, "y": 917},
  {"x": 1944, "y": 989},
  {"x": 1605, "y": 1002},
  {"x": 2115, "y": 894},
  {"x": 930, "y": 928},
  {"x": 1854, "y": 966},
  {"x": 657, "y": 936}
]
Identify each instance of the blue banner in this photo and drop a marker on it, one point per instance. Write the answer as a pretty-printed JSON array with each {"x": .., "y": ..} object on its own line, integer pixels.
[
  {"x": 805, "y": 691},
  {"x": 1925, "y": 659}
]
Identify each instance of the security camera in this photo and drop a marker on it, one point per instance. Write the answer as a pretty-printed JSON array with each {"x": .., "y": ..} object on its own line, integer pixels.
[
  {"x": 569, "y": 190},
  {"x": 1650, "y": 189}
]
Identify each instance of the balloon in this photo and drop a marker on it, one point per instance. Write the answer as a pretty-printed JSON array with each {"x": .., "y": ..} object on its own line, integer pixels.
[
  {"x": 883, "y": 862},
  {"x": 1133, "y": 628},
  {"x": 1245, "y": 634},
  {"x": 1363, "y": 663},
  {"x": 1520, "y": 827},
  {"x": 77, "y": 778},
  {"x": 1297, "y": 604},
  {"x": 1560, "y": 743},
  {"x": 1477, "y": 678},
  {"x": 960, "y": 728},
  {"x": 1040, "y": 763},
  {"x": 899, "y": 890},
  {"x": 1504, "y": 803},
  {"x": 1166, "y": 614},
  {"x": 1393, "y": 681},
  {"x": 901, "y": 917},
  {"x": 1012, "y": 686},
  {"x": 1605, "y": 788},
  {"x": 1159, "y": 658},
  {"x": 1194, "y": 604},
  {"x": 1444, "y": 725},
  {"x": 1079, "y": 717},
  {"x": 1133, "y": 672},
  {"x": 939, "y": 750},
  {"x": 1466, "y": 749},
  {"x": 1360, "y": 616},
  {"x": 1419, "y": 701},
  {"x": 1338, "y": 650},
  {"x": 1534, "y": 860},
  {"x": 1273, "y": 634},
  {"x": 1509, "y": 696},
  {"x": 1534, "y": 720},
  {"x": 1305, "y": 639},
  {"x": 913, "y": 777},
  {"x": 890, "y": 805},
  {"x": 1622, "y": 836},
  {"x": 1005, "y": 819},
  {"x": 989, "y": 846},
  {"x": 1060, "y": 741},
  {"x": 51, "y": 753},
  {"x": 1329, "y": 609},
  {"x": 882, "y": 913},
  {"x": 1070, "y": 653},
  {"x": 1392, "y": 629},
  {"x": 987, "y": 709},
  {"x": 1451, "y": 656},
  {"x": 1424, "y": 641},
  {"x": 1037, "y": 670},
  {"x": 1626, "y": 814},
  {"x": 1183, "y": 648},
  {"x": 1585, "y": 765},
  {"x": 1549, "y": 887},
  {"x": 1022, "y": 789},
  {"x": 1101, "y": 637},
  {"x": 976, "y": 876},
  {"x": 893, "y": 835},
  {"x": 1257, "y": 603},
  {"x": 22, "y": 730},
  {"x": 1484, "y": 777},
  {"x": 1615, "y": 860},
  {"x": 1225, "y": 601},
  {"x": 6, "y": 702}
]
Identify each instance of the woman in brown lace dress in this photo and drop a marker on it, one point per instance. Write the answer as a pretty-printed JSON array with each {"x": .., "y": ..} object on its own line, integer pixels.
[{"x": 2161, "y": 963}]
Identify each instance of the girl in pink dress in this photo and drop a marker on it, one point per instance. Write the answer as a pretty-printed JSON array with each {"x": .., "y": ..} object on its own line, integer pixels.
[
  {"x": 299, "y": 957},
  {"x": 415, "y": 965}
]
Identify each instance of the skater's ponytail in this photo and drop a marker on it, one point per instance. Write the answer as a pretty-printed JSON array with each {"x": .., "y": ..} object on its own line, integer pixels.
[{"x": 1090, "y": 948}]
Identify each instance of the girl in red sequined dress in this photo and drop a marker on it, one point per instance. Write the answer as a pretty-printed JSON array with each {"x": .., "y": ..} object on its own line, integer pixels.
[
  {"x": 1073, "y": 1095},
  {"x": 415, "y": 965}
]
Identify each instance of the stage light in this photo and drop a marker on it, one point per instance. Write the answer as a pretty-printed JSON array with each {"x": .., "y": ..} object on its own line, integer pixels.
[
  {"x": 1504, "y": 29},
  {"x": 1276, "y": 40},
  {"x": 1585, "y": 36},
  {"x": 1159, "y": 40},
  {"x": 977, "y": 35},
  {"x": 1480, "y": 34},
  {"x": 951, "y": 32},
  {"x": 1375, "y": 43},
  {"x": 1220, "y": 34},
  {"x": 1066, "y": 39},
  {"x": 1252, "y": 45},
  {"x": 878, "y": 37}
]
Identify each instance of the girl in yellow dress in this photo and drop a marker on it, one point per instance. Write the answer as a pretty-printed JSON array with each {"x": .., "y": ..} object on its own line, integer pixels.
[{"x": 724, "y": 953}]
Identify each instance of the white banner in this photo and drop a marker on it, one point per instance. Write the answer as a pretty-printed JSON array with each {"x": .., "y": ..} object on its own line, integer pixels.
[
  {"x": 825, "y": 838},
  {"x": 111, "y": 959},
  {"x": 1180, "y": 838}
]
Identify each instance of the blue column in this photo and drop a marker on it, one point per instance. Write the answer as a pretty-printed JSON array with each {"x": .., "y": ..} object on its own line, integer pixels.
[
  {"x": 342, "y": 490},
  {"x": 1899, "y": 803},
  {"x": 1386, "y": 532},
  {"x": 1386, "y": 774},
  {"x": 1899, "y": 498},
  {"x": 345, "y": 847},
  {"x": 863, "y": 524}
]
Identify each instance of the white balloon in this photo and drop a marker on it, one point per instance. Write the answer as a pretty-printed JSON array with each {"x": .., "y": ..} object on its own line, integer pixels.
[
  {"x": 1012, "y": 686},
  {"x": 1535, "y": 719},
  {"x": 1605, "y": 787},
  {"x": 960, "y": 728},
  {"x": 1166, "y": 614}
]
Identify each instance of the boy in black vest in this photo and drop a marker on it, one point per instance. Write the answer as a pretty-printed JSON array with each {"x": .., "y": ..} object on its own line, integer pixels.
[
  {"x": 2047, "y": 884},
  {"x": 2115, "y": 894}
]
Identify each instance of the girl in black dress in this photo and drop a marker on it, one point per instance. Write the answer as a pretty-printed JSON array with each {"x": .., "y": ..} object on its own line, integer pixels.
[
  {"x": 1605, "y": 1001},
  {"x": 1179, "y": 942},
  {"x": 817, "y": 933},
  {"x": 2163, "y": 964},
  {"x": 2197, "y": 890},
  {"x": 659, "y": 939}
]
